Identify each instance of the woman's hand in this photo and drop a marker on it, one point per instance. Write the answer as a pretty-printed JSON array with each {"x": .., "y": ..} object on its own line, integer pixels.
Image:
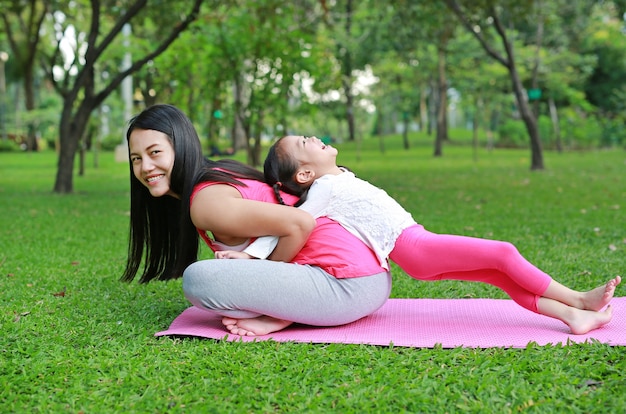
[{"x": 232, "y": 254}]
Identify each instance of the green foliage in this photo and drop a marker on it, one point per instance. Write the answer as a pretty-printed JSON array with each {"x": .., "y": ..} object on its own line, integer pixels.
[
  {"x": 75, "y": 339},
  {"x": 577, "y": 132},
  {"x": 613, "y": 133},
  {"x": 512, "y": 134},
  {"x": 292, "y": 59},
  {"x": 605, "y": 88},
  {"x": 110, "y": 142},
  {"x": 580, "y": 131},
  {"x": 8, "y": 146}
]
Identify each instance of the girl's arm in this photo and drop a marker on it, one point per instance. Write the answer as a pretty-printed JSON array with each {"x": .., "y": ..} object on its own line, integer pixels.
[
  {"x": 232, "y": 219},
  {"x": 317, "y": 202}
]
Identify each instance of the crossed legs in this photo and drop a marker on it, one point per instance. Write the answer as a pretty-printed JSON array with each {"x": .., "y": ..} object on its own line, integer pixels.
[{"x": 257, "y": 297}]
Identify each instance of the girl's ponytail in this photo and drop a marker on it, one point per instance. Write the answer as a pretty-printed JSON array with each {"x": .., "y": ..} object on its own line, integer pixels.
[{"x": 276, "y": 188}]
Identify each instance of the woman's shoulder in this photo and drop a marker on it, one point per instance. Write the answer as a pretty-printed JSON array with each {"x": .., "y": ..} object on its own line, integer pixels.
[{"x": 246, "y": 188}]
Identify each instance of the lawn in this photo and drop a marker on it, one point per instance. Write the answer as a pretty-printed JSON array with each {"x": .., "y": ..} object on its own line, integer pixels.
[{"x": 74, "y": 339}]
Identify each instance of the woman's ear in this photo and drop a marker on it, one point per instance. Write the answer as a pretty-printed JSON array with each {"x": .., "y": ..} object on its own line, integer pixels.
[{"x": 305, "y": 177}]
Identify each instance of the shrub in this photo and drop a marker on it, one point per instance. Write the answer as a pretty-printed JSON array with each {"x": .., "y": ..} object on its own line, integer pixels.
[
  {"x": 512, "y": 134},
  {"x": 111, "y": 141},
  {"x": 8, "y": 146},
  {"x": 579, "y": 131}
]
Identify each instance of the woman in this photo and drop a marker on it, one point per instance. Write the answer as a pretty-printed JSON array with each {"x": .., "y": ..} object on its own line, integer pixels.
[{"x": 176, "y": 193}]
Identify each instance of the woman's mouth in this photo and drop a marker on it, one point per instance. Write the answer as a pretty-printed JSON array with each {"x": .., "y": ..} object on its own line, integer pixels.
[{"x": 154, "y": 178}]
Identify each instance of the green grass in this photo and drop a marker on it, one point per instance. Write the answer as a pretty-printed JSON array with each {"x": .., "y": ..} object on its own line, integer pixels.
[{"x": 93, "y": 350}]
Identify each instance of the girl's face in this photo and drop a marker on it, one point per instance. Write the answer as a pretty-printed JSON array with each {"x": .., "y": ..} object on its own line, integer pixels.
[
  {"x": 152, "y": 157},
  {"x": 311, "y": 153}
]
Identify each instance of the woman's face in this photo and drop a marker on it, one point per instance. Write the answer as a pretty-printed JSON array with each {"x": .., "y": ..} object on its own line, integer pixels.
[{"x": 152, "y": 157}]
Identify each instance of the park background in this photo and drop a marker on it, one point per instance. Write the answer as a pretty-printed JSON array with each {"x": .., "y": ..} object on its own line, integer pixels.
[{"x": 512, "y": 130}]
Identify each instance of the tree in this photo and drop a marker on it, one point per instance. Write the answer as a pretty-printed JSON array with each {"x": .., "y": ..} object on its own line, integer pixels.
[
  {"x": 605, "y": 87},
  {"x": 481, "y": 17},
  {"x": 22, "y": 24},
  {"x": 263, "y": 46},
  {"x": 482, "y": 84},
  {"x": 77, "y": 85},
  {"x": 419, "y": 33},
  {"x": 352, "y": 26}
]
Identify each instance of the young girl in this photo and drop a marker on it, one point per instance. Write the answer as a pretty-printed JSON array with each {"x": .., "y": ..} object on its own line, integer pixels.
[{"x": 306, "y": 167}]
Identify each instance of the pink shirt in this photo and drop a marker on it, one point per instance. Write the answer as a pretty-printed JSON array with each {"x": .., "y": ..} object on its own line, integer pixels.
[{"x": 330, "y": 246}]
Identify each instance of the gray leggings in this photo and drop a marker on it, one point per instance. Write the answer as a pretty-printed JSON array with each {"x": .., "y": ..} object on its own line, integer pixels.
[{"x": 241, "y": 288}]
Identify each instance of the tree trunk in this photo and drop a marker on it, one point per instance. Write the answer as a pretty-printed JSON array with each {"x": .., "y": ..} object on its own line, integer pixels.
[
  {"x": 423, "y": 109},
  {"x": 346, "y": 79},
  {"x": 554, "y": 115},
  {"x": 478, "y": 108},
  {"x": 31, "y": 138},
  {"x": 69, "y": 139},
  {"x": 255, "y": 150},
  {"x": 350, "y": 116},
  {"x": 529, "y": 119},
  {"x": 405, "y": 130},
  {"x": 491, "y": 127},
  {"x": 239, "y": 131},
  {"x": 82, "y": 151},
  {"x": 433, "y": 98},
  {"x": 442, "y": 107}
]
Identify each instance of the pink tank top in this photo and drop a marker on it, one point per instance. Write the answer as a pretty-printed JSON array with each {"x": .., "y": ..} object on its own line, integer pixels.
[{"x": 330, "y": 246}]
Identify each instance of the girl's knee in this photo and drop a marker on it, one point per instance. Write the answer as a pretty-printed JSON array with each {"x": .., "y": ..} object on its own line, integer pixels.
[
  {"x": 508, "y": 248},
  {"x": 505, "y": 251}
]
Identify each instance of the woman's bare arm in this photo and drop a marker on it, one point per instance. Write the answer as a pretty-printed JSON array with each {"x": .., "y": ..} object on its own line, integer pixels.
[{"x": 232, "y": 219}]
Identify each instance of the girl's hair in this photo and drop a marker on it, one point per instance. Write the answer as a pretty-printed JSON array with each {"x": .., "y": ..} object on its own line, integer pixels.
[
  {"x": 279, "y": 170},
  {"x": 162, "y": 226}
]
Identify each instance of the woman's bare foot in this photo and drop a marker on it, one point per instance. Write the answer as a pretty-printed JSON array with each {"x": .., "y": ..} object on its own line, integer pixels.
[
  {"x": 261, "y": 325},
  {"x": 583, "y": 321},
  {"x": 599, "y": 297}
]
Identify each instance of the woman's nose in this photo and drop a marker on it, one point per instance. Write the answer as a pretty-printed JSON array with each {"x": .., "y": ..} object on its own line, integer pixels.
[{"x": 146, "y": 164}]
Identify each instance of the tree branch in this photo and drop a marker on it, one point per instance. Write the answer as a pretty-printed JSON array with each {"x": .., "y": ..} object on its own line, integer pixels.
[
  {"x": 465, "y": 21},
  {"x": 117, "y": 80},
  {"x": 93, "y": 52},
  {"x": 508, "y": 47}
]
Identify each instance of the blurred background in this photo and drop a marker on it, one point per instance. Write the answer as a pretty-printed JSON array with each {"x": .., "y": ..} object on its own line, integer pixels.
[{"x": 542, "y": 74}]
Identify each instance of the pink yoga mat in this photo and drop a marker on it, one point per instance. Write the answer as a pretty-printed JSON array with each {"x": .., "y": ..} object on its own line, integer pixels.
[{"x": 472, "y": 323}]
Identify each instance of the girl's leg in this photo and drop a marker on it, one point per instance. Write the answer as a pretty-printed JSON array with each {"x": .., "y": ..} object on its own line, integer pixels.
[
  {"x": 429, "y": 256},
  {"x": 270, "y": 292},
  {"x": 594, "y": 300},
  {"x": 580, "y": 321}
]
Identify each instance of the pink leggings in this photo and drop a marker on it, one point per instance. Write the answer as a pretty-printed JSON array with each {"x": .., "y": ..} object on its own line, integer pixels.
[{"x": 429, "y": 256}]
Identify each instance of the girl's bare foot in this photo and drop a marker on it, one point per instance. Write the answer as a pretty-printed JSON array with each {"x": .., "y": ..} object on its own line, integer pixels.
[
  {"x": 583, "y": 321},
  {"x": 599, "y": 297},
  {"x": 261, "y": 325}
]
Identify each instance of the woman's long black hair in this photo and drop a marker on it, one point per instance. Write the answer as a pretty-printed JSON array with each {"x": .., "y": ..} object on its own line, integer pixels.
[{"x": 162, "y": 226}]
